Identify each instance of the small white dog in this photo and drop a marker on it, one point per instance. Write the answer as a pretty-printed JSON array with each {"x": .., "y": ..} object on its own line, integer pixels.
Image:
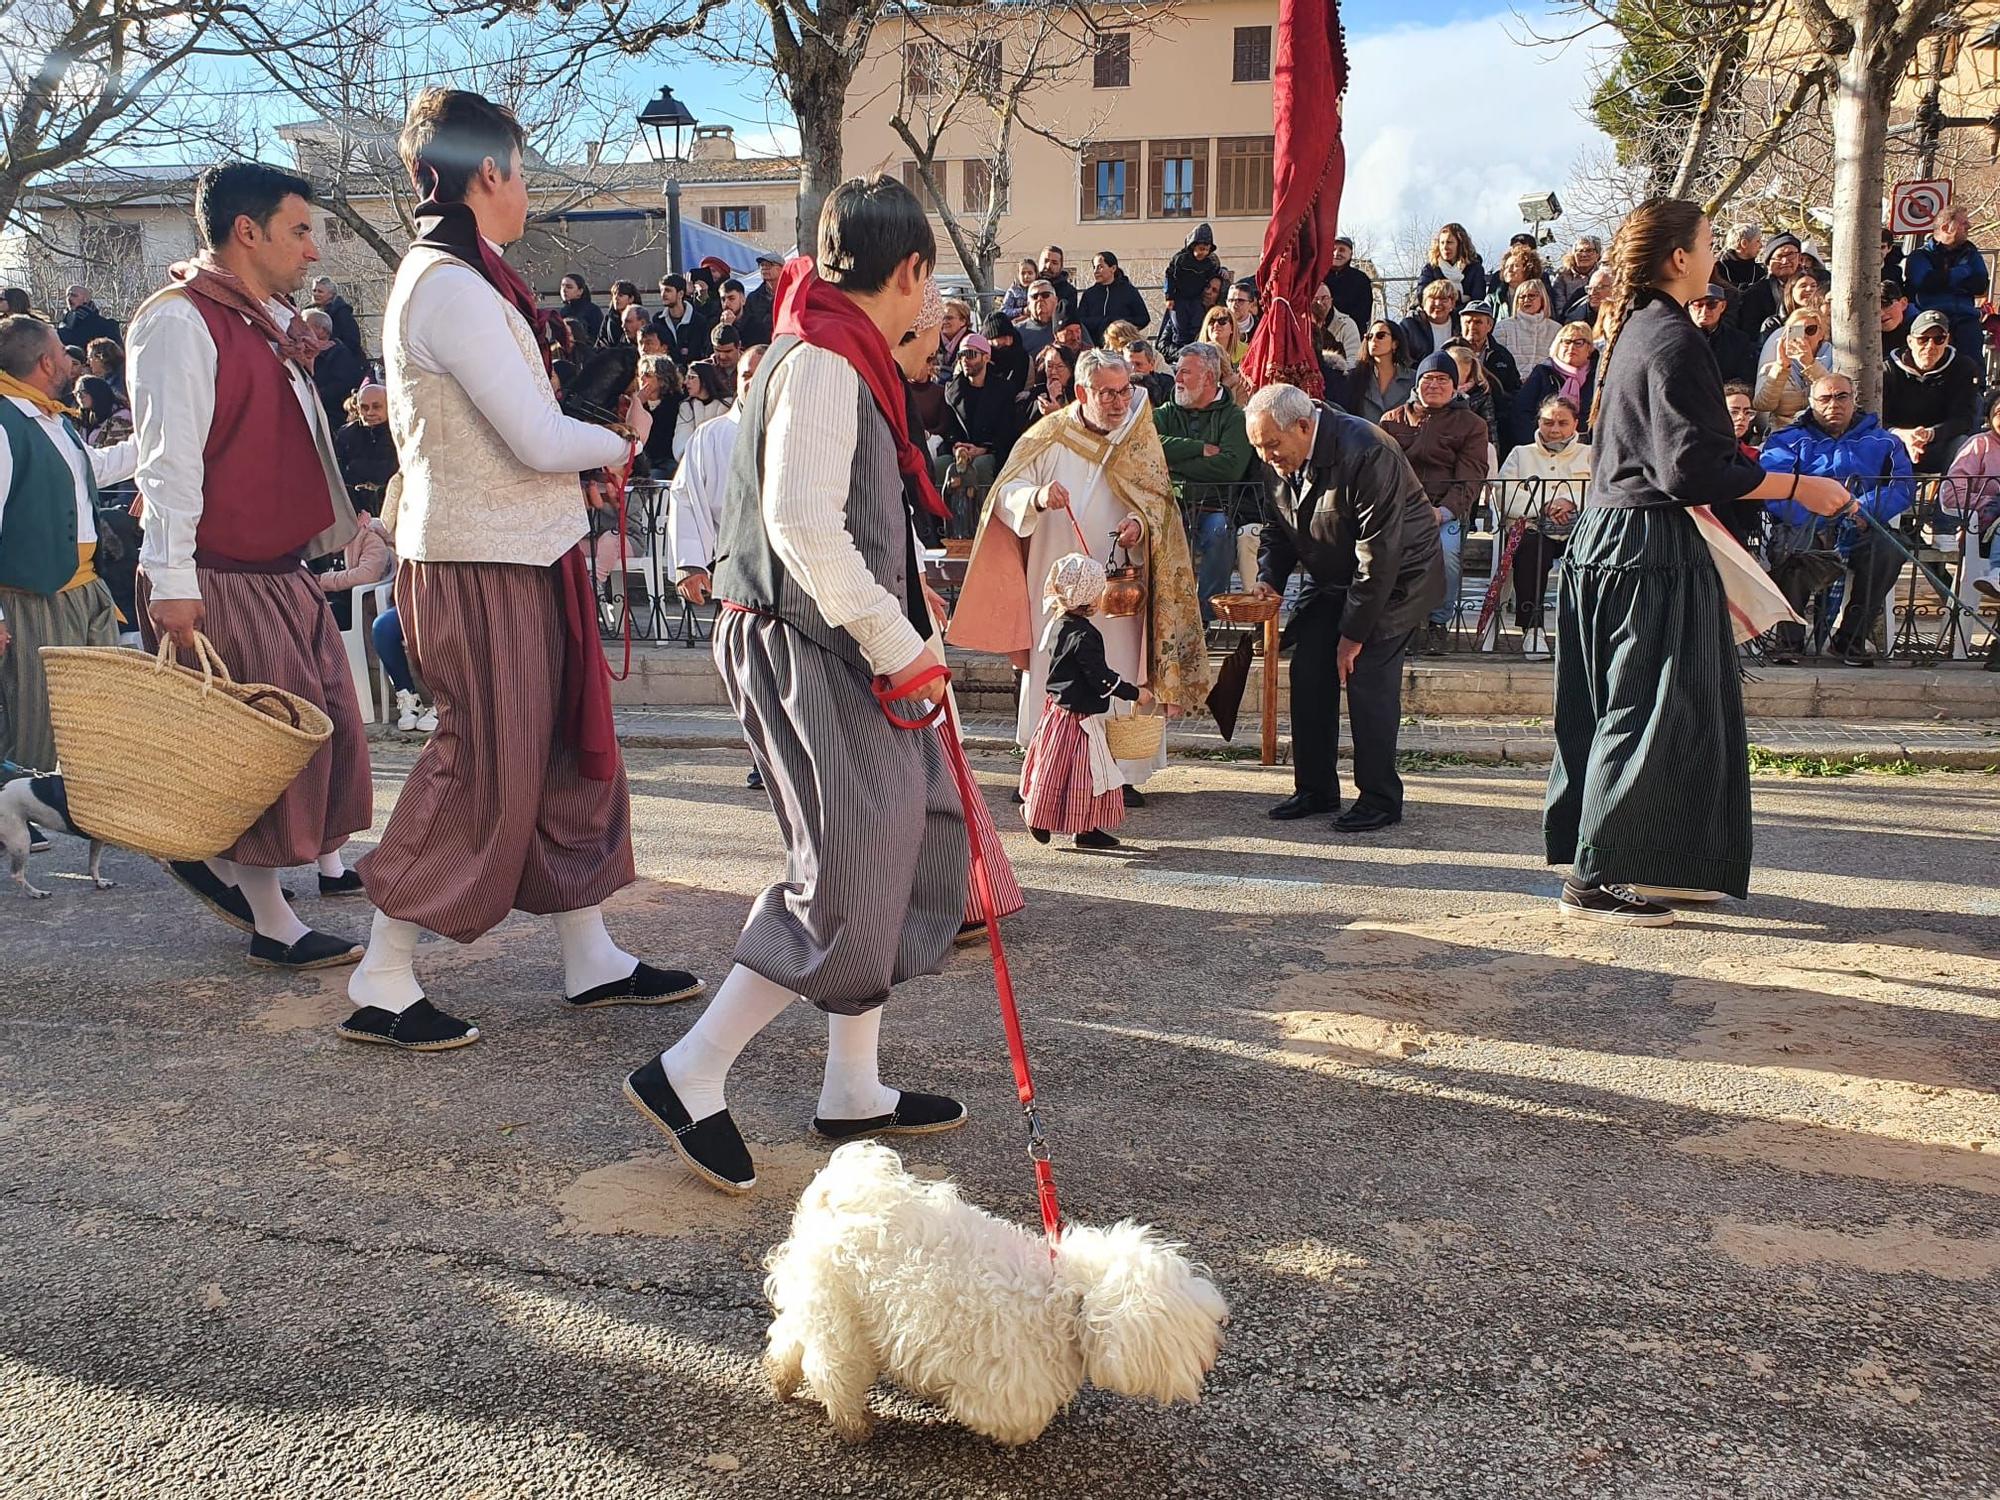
[
  {"x": 40, "y": 799},
  {"x": 886, "y": 1274}
]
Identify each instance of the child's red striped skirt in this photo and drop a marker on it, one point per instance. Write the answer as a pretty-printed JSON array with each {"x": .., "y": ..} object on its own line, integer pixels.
[{"x": 1055, "y": 779}]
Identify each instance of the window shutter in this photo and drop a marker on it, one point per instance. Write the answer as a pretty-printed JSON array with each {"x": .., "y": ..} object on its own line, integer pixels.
[
  {"x": 712, "y": 217},
  {"x": 1252, "y": 54},
  {"x": 1156, "y": 185},
  {"x": 757, "y": 219},
  {"x": 1200, "y": 179}
]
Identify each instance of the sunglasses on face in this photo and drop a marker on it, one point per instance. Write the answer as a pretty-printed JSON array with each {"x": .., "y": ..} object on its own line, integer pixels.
[{"x": 1928, "y": 338}]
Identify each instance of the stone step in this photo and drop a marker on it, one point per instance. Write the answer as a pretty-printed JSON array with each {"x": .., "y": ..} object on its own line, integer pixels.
[{"x": 1461, "y": 685}]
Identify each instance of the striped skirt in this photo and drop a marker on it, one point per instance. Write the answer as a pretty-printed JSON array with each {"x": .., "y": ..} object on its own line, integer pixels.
[
  {"x": 276, "y": 628},
  {"x": 1651, "y": 779},
  {"x": 494, "y": 816},
  {"x": 1056, "y": 790},
  {"x": 1007, "y": 897},
  {"x": 874, "y": 888}
]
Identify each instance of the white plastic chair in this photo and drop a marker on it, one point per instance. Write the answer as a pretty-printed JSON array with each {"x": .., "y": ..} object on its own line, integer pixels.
[
  {"x": 354, "y": 641},
  {"x": 383, "y": 597}
]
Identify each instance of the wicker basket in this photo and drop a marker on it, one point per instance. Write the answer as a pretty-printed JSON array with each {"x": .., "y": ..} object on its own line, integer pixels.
[
  {"x": 167, "y": 761},
  {"x": 1135, "y": 736},
  {"x": 1245, "y": 609}
]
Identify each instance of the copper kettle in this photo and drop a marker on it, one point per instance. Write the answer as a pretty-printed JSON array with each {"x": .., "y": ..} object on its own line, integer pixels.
[{"x": 1124, "y": 587}]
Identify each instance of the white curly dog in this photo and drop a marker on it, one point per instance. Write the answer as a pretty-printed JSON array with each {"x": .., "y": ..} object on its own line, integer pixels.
[{"x": 886, "y": 1274}]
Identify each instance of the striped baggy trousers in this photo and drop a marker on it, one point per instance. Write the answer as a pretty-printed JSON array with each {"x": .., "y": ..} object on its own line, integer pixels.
[
  {"x": 875, "y": 847},
  {"x": 494, "y": 816},
  {"x": 82, "y": 616}
]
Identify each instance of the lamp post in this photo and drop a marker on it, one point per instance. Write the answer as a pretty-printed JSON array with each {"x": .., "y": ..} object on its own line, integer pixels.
[
  {"x": 1538, "y": 209},
  {"x": 663, "y": 115}
]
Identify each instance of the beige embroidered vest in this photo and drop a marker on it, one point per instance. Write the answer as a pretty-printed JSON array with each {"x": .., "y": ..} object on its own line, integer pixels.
[{"x": 464, "y": 496}]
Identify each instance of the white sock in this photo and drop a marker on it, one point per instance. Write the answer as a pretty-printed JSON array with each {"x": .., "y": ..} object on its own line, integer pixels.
[
  {"x": 273, "y": 917},
  {"x": 853, "y": 1089},
  {"x": 589, "y": 956},
  {"x": 331, "y": 865},
  {"x": 222, "y": 870},
  {"x": 698, "y": 1063},
  {"x": 385, "y": 977}
]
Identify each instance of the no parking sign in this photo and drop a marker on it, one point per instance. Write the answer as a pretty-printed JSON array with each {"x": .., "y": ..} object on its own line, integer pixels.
[{"x": 1916, "y": 206}]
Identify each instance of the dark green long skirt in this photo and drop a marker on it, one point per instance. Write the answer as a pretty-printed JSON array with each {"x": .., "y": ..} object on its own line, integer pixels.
[{"x": 1651, "y": 780}]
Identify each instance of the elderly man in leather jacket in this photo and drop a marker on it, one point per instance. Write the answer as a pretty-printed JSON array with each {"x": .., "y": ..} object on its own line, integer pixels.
[{"x": 1344, "y": 502}]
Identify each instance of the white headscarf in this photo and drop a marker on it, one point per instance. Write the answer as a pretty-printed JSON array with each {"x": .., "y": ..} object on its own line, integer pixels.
[{"x": 1076, "y": 581}]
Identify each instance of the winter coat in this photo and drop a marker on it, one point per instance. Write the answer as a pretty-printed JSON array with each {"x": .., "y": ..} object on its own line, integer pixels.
[
  {"x": 83, "y": 323},
  {"x": 982, "y": 415},
  {"x": 367, "y": 457},
  {"x": 1783, "y": 385},
  {"x": 337, "y": 373},
  {"x": 1951, "y": 281},
  {"x": 1867, "y": 457},
  {"x": 1945, "y": 399},
  {"x": 1544, "y": 381},
  {"x": 1353, "y": 294},
  {"x": 586, "y": 314},
  {"x": 1471, "y": 289},
  {"x": 1187, "y": 278},
  {"x": 1419, "y": 341},
  {"x": 1366, "y": 397},
  {"x": 1972, "y": 485},
  {"x": 1098, "y": 307},
  {"x": 1526, "y": 336},
  {"x": 1447, "y": 448},
  {"x": 1204, "y": 479},
  {"x": 1735, "y": 352},
  {"x": 346, "y": 327},
  {"x": 1531, "y": 477}
]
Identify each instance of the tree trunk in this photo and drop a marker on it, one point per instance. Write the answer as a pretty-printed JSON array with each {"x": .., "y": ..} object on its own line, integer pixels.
[
  {"x": 1860, "y": 133},
  {"x": 818, "y": 99}
]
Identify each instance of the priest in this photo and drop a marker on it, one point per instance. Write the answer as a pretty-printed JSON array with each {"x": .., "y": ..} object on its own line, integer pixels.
[{"x": 1090, "y": 478}]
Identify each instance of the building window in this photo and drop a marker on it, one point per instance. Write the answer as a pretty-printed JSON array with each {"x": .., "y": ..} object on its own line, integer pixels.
[
  {"x": 1177, "y": 179},
  {"x": 1253, "y": 54},
  {"x": 923, "y": 69},
  {"x": 1113, "y": 60},
  {"x": 983, "y": 66},
  {"x": 1243, "y": 169},
  {"x": 913, "y": 179},
  {"x": 745, "y": 219},
  {"x": 1110, "y": 181},
  {"x": 978, "y": 188},
  {"x": 109, "y": 244},
  {"x": 336, "y": 231}
]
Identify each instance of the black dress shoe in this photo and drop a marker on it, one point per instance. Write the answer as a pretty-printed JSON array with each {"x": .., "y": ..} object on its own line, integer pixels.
[
  {"x": 316, "y": 950},
  {"x": 1015, "y": 797},
  {"x": 1302, "y": 805},
  {"x": 645, "y": 985},
  {"x": 1365, "y": 820},
  {"x": 1096, "y": 838},
  {"x": 226, "y": 901},
  {"x": 713, "y": 1148},
  {"x": 1040, "y": 835},
  {"x": 421, "y": 1028},
  {"x": 914, "y": 1114},
  {"x": 346, "y": 883},
  {"x": 38, "y": 842},
  {"x": 755, "y": 780},
  {"x": 1133, "y": 796}
]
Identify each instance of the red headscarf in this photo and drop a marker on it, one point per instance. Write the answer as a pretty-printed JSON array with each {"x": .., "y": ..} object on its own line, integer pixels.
[{"x": 822, "y": 315}]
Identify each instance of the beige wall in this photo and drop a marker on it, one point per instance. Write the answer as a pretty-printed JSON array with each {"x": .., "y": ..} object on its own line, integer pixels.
[{"x": 1181, "y": 68}]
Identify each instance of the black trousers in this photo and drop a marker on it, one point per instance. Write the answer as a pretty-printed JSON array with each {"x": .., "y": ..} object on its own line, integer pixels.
[
  {"x": 1532, "y": 560},
  {"x": 1374, "y": 706}
]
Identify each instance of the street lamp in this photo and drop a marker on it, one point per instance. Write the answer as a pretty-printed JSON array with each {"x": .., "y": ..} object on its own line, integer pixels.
[
  {"x": 1538, "y": 209},
  {"x": 660, "y": 116}
]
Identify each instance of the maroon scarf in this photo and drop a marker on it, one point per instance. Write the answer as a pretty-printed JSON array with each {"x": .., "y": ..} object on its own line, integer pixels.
[
  {"x": 822, "y": 315},
  {"x": 585, "y": 711},
  {"x": 297, "y": 341}
]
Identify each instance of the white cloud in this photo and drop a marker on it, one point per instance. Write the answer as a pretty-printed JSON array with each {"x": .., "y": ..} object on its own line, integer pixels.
[{"x": 1458, "y": 122}]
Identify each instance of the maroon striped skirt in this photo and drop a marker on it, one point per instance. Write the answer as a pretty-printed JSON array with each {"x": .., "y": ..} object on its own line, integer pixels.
[
  {"x": 494, "y": 816},
  {"x": 1055, "y": 779},
  {"x": 275, "y": 628}
]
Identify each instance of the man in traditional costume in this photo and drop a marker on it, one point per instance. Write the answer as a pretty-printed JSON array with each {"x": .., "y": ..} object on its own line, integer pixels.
[
  {"x": 240, "y": 486},
  {"x": 823, "y": 602},
  {"x": 50, "y": 594},
  {"x": 518, "y": 801},
  {"x": 1080, "y": 479}
]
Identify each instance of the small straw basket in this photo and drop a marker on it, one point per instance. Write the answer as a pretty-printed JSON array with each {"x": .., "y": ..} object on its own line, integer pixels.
[{"x": 1135, "y": 736}]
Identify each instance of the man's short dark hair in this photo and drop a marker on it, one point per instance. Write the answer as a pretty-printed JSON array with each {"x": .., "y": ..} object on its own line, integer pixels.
[
  {"x": 1738, "y": 388},
  {"x": 732, "y": 285},
  {"x": 725, "y": 333},
  {"x": 625, "y": 289},
  {"x": 870, "y": 226},
  {"x": 448, "y": 135},
  {"x": 1892, "y": 290},
  {"x": 15, "y": 300},
  {"x": 675, "y": 280},
  {"x": 232, "y": 190},
  {"x": 24, "y": 340}
]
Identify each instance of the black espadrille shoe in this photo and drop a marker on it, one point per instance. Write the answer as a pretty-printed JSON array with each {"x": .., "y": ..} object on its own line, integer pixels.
[
  {"x": 346, "y": 883},
  {"x": 316, "y": 950},
  {"x": 226, "y": 901},
  {"x": 713, "y": 1147},
  {"x": 645, "y": 985},
  {"x": 914, "y": 1114},
  {"x": 421, "y": 1028},
  {"x": 1097, "y": 838},
  {"x": 1133, "y": 797}
]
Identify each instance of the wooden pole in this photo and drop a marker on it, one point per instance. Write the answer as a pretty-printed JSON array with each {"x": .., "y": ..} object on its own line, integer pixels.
[{"x": 1270, "y": 684}]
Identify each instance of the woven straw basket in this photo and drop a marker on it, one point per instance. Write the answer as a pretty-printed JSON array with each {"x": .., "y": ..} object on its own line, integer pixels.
[
  {"x": 1135, "y": 736},
  {"x": 168, "y": 761}
]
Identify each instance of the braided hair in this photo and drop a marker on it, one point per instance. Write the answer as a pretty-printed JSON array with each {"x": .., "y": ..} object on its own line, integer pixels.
[{"x": 1639, "y": 251}]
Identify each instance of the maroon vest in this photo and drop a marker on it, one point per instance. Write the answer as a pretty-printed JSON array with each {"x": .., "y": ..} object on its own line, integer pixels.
[{"x": 263, "y": 488}]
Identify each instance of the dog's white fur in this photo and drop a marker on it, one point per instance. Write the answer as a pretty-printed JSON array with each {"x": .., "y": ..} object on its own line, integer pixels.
[
  {"x": 18, "y": 807},
  {"x": 885, "y": 1274}
]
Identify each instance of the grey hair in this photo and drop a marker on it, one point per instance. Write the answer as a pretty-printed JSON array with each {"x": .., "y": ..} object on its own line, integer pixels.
[
  {"x": 1140, "y": 347},
  {"x": 1825, "y": 375},
  {"x": 1742, "y": 234},
  {"x": 659, "y": 366},
  {"x": 326, "y": 281},
  {"x": 318, "y": 318},
  {"x": 1093, "y": 360},
  {"x": 24, "y": 339},
  {"x": 1286, "y": 405},
  {"x": 1041, "y": 284},
  {"x": 1591, "y": 240},
  {"x": 1208, "y": 354}
]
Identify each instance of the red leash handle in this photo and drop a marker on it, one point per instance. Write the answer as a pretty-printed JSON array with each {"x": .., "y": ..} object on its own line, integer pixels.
[
  {"x": 888, "y": 696},
  {"x": 945, "y": 722}
]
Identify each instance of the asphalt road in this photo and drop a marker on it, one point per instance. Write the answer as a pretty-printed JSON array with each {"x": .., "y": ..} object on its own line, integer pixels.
[{"x": 1503, "y": 1207}]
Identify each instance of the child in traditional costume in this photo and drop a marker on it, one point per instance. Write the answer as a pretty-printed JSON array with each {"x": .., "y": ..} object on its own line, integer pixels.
[{"x": 1069, "y": 781}]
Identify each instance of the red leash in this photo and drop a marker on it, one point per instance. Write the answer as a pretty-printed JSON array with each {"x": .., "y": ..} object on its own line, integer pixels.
[{"x": 941, "y": 718}]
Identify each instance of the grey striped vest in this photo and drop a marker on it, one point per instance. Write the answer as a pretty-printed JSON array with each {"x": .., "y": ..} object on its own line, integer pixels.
[{"x": 747, "y": 571}]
